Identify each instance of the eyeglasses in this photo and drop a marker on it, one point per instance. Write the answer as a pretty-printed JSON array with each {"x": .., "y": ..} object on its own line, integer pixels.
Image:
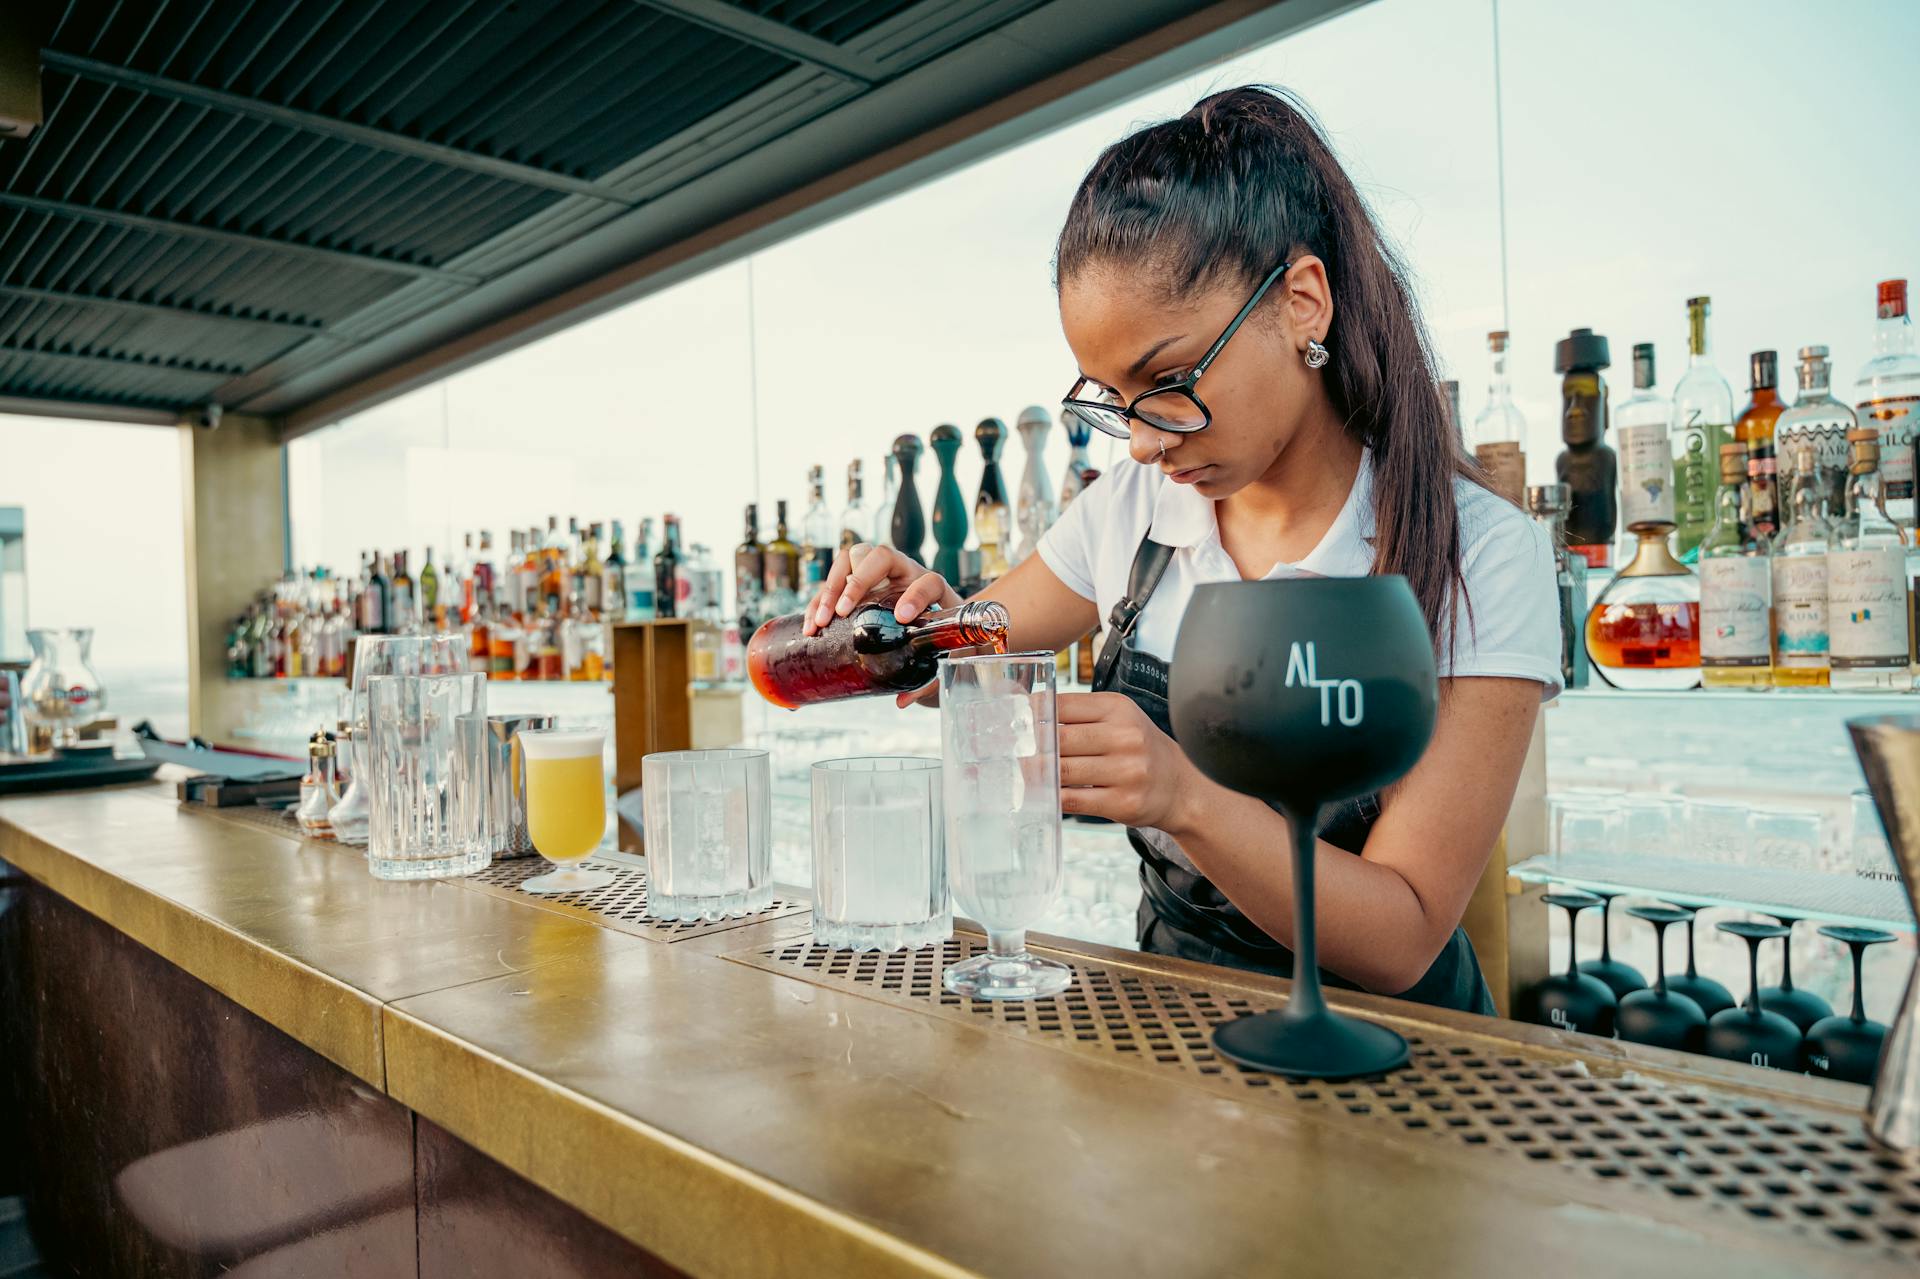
[{"x": 1173, "y": 407}]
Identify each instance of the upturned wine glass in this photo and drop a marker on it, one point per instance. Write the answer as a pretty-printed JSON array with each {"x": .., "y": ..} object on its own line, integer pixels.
[
  {"x": 1705, "y": 991},
  {"x": 1749, "y": 1032},
  {"x": 1801, "y": 1007},
  {"x": 1303, "y": 692},
  {"x": 1848, "y": 1047},
  {"x": 1622, "y": 978},
  {"x": 1571, "y": 1000},
  {"x": 1658, "y": 1016}
]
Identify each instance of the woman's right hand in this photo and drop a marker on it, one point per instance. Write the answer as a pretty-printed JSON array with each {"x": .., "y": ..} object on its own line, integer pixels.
[{"x": 863, "y": 572}]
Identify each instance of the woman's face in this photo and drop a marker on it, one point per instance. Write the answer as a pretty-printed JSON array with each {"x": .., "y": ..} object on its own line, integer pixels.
[{"x": 1258, "y": 388}]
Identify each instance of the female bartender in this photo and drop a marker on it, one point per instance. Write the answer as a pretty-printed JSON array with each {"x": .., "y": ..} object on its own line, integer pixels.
[{"x": 1240, "y": 322}]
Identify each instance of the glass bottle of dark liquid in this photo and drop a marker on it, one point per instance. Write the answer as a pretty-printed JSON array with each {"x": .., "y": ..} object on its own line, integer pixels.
[
  {"x": 866, "y": 652},
  {"x": 376, "y": 604},
  {"x": 749, "y": 572},
  {"x": 1755, "y": 429},
  {"x": 1587, "y": 467},
  {"x": 782, "y": 567},
  {"x": 666, "y": 570}
]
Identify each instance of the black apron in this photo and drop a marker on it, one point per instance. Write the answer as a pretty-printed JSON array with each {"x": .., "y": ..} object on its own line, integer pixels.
[{"x": 1182, "y": 913}]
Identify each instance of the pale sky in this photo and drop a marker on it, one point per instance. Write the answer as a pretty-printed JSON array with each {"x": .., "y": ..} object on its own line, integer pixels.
[{"x": 1760, "y": 151}]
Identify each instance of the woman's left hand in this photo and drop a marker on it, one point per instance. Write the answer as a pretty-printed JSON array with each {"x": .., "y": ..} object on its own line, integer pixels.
[{"x": 1115, "y": 764}]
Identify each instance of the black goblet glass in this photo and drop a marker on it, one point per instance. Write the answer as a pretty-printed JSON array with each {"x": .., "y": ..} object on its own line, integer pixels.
[
  {"x": 1750, "y": 1033},
  {"x": 1571, "y": 1000},
  {"x": 1848, "y": 1047},
  {"x": 1659, "y": 1016},
  {"x": 1304, "y": 692},
  {"x": 1712, "y": 997},
  {"x": 1801, "y": 1007},
  {"x": 1621, "y": 978}
]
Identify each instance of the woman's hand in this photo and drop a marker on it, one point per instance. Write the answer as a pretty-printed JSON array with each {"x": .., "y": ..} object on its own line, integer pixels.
[
  {"x": 1115, "y": 764},
  {"x": 863, "y": 572}
]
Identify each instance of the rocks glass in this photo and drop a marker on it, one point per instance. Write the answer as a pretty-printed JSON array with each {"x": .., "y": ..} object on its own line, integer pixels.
[
  {"x": 414, "y": 769},
  {"x": 879, "y": 854},
  {"x": 709, "y": 833},
  {"x": 1001, "y": 771}
]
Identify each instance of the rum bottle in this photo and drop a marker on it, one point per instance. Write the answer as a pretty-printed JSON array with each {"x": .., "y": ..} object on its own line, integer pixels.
[
  {"x": 867, "y": 652},
  {"x": 1755, "y": 429},
  {"x": 1587, "y": 466},
  {"x": 1800, "y": 638},
  {"x": 1702, "y": 422},
  {"x": 1867, "y": 614},
  {"x": 1736, "y": 588},
  {"x": 1499, "y": 432}
]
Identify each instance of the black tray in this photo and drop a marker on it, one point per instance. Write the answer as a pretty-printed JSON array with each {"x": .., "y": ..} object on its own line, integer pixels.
[{"x": 72, "y": 772}]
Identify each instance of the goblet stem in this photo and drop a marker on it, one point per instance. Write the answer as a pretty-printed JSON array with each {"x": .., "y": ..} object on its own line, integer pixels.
[
  {"x": 1753, "y": 976},
  {"x": 1660, "y": 957},
  {"x": 1786, "y": 954},
  {"x": 1006, "y": 945},
  {"x": 1573, "y": 949},
  {"x": 1308, "y": 999},
  {"x": 1606, "y": 928},
  {"x": 1692, "y": 972},
  {"x": 1859, "y": 1003}
]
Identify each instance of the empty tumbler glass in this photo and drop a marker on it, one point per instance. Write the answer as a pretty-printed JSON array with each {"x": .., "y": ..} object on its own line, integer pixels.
[
  {"x": 879, "y": 854},
  {"x": 414, "y": 775},
  {"x": 708, "y": 833},
  {"x": 1001, "y": 768}
]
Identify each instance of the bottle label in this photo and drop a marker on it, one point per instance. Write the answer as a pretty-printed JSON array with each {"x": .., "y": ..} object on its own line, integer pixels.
[
  {"x": 1506, "y": 466},
  {"x": 1800, "y": 611},
  {"x": 1867, "y": 608},
  {"x": 1693, "y": 482},
  {"x": 1734, "y": 594},
  {"x": 1895, "y": 417},
  {"x": 1646, "y": 475},
  {"x": 779, "y": 572}
]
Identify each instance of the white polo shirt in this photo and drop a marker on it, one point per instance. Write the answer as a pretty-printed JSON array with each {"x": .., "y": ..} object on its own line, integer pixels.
[{"x": 1505, "y": 559}]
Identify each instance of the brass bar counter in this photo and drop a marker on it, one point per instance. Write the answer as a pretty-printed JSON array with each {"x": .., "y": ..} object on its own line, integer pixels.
[{"x": 563, "y": 1087}]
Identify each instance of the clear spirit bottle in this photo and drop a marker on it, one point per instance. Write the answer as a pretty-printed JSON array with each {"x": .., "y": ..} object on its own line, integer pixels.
[
  {"x": 1887, "y": 398},
  {"x": 1800, "y": 640},
  {"x": 1547, "y": 504},
  {"x": 817, "y": 537},
  {"x": 1646, "y": 461},
  {"x": 853, "y": 520},
  {"x": 1500, "y": 432},
  {"x": 1702, "y": 422},
  {"x": 1818, "y": 419},
  {"x": 1867, "y": 613},
  {"x": 883, "y": 514},
  {"x": 1736, "y": 588}
]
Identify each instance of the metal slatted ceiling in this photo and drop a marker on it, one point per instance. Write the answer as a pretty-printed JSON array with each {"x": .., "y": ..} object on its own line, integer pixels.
[{"x": 261, "y": 201}]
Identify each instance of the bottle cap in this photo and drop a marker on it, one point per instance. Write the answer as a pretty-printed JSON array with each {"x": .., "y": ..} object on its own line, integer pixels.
[
  {"x": 1810, "y": 353},
  {"x": 1548, "y": 499},
  {"x": 1581, "y": 349},
  {"x": 1498, "y": 339},
  {"x": 1765, "y": 368},
  {"x": 1893, "y": 299},
  {"x": 1863, "y": 435},
  {"x": 1733, "y": 461}
]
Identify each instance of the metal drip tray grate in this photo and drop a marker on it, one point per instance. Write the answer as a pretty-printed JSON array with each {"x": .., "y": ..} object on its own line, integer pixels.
[
  {"x": 621, "y": 905},
  {"x": 1798, "y": 1168}
]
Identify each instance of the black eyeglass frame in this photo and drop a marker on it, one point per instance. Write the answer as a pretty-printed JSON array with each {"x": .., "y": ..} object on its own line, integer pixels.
[{"x": 1095, "y": 413}]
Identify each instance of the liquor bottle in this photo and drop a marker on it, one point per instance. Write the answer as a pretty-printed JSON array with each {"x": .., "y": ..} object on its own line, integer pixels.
[
  {"x": 377, "y": 600},
  {"x": 593, "y": 573},
  {"x": 908, "y": 532},
  {"x": 1035, "y": 511},
  {"x": 505, "y": 640},
  {"x": 749, "y": 573},
  {"x": 1702, "y": 422},
  {"x": 992, "y": 517},
  {"x": 480, "y": 640},
  {"x": 1755, "y": 429},
  {"x": 640, "y": 576},
  {"x": 782, "y": 568},
  {"x": 853, "y": 520},
  {"x": 1078, "y": 433},
  {"x": 883, "y": 514},
  {"x": 318, "y": 792},
  {"x": 666, "y": 571},
  {"x": 1867, "y": 613},
  {"x": 866, "y": 652},
  {"x": 818, "y": 540},
  {"x": 1547, "y": 504},
  {"x": 1736, "y": 588},
  {"x": 462, "y": 577},
  {"x": 431, "y": 616},
  {"x": 1644, "y": 630},
  {"x": 406, "y": 605},
  {"x": 1500, "y": 432},
  {"x": 1646, "y": 462},
  {"x": 292, "y": 663},
  {"x": 552, "y": 594},
  {"x": 1587, "y": 466},
  {"x": 1818, "y": 419},
  {"x": 548, "y": 661},
  {"x": 1800, "y": 641},
  {"x": 949, "y": 508},
  {"x": 1887, "y": 398},
  {"x": 613, "y": 578}
]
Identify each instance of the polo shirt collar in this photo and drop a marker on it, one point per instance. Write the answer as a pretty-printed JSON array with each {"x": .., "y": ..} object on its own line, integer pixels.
[{"x": 1183, "y": 518}]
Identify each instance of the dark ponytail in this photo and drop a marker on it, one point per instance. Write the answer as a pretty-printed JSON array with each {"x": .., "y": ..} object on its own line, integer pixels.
[{"x": 1220, "y": 196}]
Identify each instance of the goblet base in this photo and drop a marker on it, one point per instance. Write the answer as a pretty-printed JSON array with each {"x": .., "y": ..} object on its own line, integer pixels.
[
  {"x": 1661, "y": 1021},
  {"x": 1016, "y": 976},
  {"x": 1759, "y": 1038},
  {"x": 1621, "y": 979},
  {"x": 1704, "y": 991},
  {"x": 567, "y": 879},
  {"x": 1842, "y": 1048},
  {"x": 1571, "y": 1001},
  {"x": 1801, "y": 1007},
  {"x": 1322, "y": 1045}
]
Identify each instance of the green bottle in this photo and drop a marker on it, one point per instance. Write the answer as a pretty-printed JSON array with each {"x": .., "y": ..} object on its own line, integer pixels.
[{"x": 949, "y": 508}]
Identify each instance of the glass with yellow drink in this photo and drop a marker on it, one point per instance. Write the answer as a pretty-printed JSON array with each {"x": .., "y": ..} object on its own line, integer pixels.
[{"x": 566, "y": 805}]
